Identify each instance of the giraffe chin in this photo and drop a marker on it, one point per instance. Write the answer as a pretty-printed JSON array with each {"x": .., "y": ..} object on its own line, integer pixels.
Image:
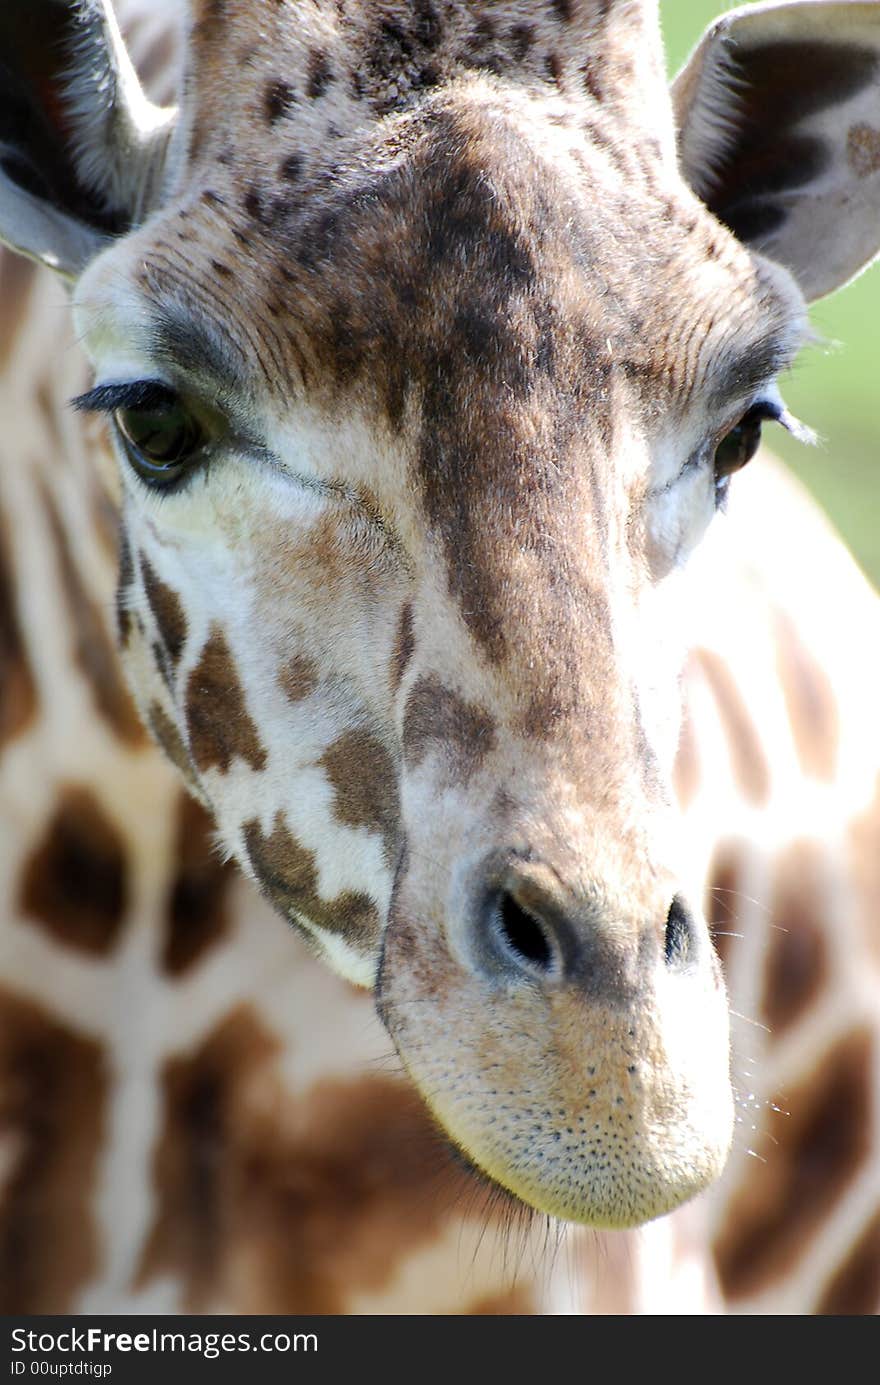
[
  {"x": 628, "y": 1198},
  {"x": 606, "y": 1114}
]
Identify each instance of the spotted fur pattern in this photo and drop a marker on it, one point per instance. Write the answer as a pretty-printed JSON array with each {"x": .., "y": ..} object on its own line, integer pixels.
[{"x": 293, "y": 1146}]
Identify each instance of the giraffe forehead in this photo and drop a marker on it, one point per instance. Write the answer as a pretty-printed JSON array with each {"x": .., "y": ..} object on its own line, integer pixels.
[
  {"x": 499, "y": 233},
  {"x": 373, "y": 148}
]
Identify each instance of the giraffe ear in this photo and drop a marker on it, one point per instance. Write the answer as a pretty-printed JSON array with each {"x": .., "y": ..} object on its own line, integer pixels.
[
  {"x": 81, "y": 148},
  {"x": 778, "y": 120}
]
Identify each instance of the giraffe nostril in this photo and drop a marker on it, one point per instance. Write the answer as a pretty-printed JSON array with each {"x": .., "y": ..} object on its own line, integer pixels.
[
  {"x": 680, "y": 936},
  {"x": 524, "y": 937}
]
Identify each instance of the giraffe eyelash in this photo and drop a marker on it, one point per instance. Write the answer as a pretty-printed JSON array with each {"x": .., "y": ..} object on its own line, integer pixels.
[
  {"x": 129, "y": 394},
  {"x": 778, "y": 412},
  {"x": 802, "y": 432}
]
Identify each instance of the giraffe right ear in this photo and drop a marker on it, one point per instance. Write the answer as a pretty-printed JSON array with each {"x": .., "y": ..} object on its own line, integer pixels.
[
  {"x": 81, "y": 147},
  {"x": 778, "y": 119}
]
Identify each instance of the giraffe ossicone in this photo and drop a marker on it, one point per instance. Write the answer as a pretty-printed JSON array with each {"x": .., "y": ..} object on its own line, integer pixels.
[{"x": 431, "y": 336}]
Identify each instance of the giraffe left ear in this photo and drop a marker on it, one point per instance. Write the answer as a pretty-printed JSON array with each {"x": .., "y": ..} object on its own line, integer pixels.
[
  {"x": 81, "y": 147},
  {"x": 778, "y": 120}
]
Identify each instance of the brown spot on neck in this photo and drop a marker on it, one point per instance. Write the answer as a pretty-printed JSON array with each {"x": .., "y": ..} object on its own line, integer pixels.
[
  {"x": 16, "y": 284},
  {"x": 722, "y": 904},
  {"x": 53, "y": 1097},
  {"x": 747, "y": 758},
  {"x": 248, "y": 1173},
  {"x": 363, "y": 777},
  {"x": 198, "y": 909},
  {"x": 93, "y": 648},
  {"x": 797, "y": 963},
  {"x": 863, "y": 864},
  {"x": 815, "y": 1152},
  {"x": 220, "y": 727},
  {"x": 854, "y": 1287},
  {"x": 75, "y": 881},
  {"x": 812, "y": 707},
  {"x": 436, "y": 718},
  {"x": 18, "y": 694},
  {"x": 287, "y": 875}
]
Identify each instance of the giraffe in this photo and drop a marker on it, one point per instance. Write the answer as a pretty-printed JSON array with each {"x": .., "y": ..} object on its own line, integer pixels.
[{"x": 360, "y": 594}]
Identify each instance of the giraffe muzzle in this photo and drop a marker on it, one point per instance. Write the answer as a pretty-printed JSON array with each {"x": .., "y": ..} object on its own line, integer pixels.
[{"x": 576, "y": 1053}]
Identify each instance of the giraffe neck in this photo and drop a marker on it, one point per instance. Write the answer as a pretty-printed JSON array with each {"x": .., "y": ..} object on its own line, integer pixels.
[{"x": 782, "y": 747}]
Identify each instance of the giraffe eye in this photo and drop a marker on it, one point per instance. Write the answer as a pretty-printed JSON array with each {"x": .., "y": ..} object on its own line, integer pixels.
[
  {"x": 161, "y": 438},
  {"x": 738, "y": 447}
]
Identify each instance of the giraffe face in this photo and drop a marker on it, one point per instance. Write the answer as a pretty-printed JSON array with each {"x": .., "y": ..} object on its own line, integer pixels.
[{"x": 412, "y": 470}]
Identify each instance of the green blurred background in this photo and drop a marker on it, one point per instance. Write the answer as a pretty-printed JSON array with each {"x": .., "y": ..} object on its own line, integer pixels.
[{"x": 834, "y": 388}]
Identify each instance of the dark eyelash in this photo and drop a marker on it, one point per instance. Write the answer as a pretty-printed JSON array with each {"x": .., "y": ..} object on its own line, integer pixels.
[
  {"x": 775, "y": 411},
  {"x": 767, "y": 410},
  {"x": 132, "y": 394}
]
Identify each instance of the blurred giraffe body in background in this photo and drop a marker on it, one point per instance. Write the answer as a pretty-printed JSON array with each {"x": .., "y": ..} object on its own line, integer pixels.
[{"x": 198, "y": 1115}]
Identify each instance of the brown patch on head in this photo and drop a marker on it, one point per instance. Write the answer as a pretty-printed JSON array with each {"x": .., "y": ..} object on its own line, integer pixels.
[
  {"x": 863, "y": 859},
  {"x": 53, "y": 1095},
  {"x": 93, "y": 649},
  {"x": 220, "y": 727},
  {"x": 16, "y": 281},
  {"x": 167, "y": 736},
  {"x": 854, "y": 1288},
  {"x": 124, "y": 589},
  {"x": 286, "y": 874},
  {"x": 364, "y": 781},
  {"x": 863, "y": 150},
  {"x": 721, "y": 906},
  {"x": 404, "y": 646},
  {"x": 18, "y": 694},
  {"x": 817, "y": 1150},
  {"x": 278, "y": 98},
  {"x": 320, "y": 74},
  {"x": 299, "y": 677},
  {"x": 75, "y": 881},
  {"x": 168, "y": 613},
  {"x": 747, "y": 758},
  {"x": 279, "y": 1204},
  {"x": 797, "y": 963},
  {"x": 436, "y": 718},
  {"x": 198, "y": 914},
  {"x": 812, "y": 707}
]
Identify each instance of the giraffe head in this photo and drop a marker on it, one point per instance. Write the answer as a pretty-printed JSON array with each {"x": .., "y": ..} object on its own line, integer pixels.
[{"x": 429, "y": 361}]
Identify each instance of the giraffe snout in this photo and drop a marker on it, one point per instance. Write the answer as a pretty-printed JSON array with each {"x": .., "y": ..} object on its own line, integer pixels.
[{"x": 570, "y": 1035}]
